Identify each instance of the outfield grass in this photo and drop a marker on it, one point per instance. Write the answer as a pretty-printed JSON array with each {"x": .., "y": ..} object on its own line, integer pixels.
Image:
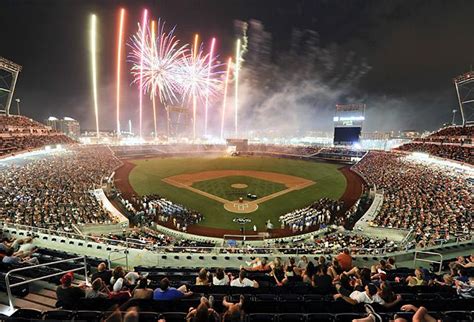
[
  {"x": 146, "y": 176},
  {"x": 222, "y": 187}
]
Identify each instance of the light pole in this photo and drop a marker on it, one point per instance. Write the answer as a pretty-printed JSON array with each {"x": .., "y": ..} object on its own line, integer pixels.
[
  {"x": 17, "y": 105},
  {"x": 454, "y": 115}
]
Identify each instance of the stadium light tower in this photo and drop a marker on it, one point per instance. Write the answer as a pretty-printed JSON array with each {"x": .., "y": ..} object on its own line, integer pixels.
[
  {"x": 8, "y": 70},
  {"x": 464, "y": 85}
]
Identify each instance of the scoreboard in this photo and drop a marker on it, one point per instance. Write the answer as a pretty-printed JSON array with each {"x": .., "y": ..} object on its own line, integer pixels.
[{"x": 348, "y": 123}]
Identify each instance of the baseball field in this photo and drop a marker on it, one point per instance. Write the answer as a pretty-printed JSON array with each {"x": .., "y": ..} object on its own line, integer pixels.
[{"x": 223, "y": 188}]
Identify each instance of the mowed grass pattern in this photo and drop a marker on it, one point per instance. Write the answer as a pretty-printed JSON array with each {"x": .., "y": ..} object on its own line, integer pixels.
[
  {"x": 146, "y": 176},
  {"x": 222, "y": 187}
]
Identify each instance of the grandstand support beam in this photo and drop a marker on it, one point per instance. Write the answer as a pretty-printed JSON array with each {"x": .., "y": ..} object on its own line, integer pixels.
[
  {"x": 14, "y": 70},
  {"x": 464, "y": 85}
]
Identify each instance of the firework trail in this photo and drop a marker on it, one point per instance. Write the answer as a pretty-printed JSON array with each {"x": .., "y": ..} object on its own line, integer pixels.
[
  {"x": 119, "y": 61},
  {"x": 194, "y": 80},
  {"x": 229, "y": 62},
  {"x": 213, "y": 42},
  {"x": 142, "y": 47},
  {"x": 93, "y": 49},
  {"x": 152, "y": 39},
  {"x": 236, "y": 86}
]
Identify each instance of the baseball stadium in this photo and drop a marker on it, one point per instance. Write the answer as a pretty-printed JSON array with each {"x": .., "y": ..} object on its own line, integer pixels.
[{"x": 195, "y": 215}]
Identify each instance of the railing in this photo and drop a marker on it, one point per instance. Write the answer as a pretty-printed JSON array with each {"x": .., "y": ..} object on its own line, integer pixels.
[
  {"x": 118, "y": 251},
  {"x": 440, "y": 262},
  {"x": 9, "y": 286},
  {"x": 276, "y": 246}
]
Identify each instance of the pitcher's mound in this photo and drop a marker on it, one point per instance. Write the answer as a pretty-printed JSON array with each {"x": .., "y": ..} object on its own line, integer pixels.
[
  {"x": 239, "y": 185},
  {"x": 240, "y": 207}
]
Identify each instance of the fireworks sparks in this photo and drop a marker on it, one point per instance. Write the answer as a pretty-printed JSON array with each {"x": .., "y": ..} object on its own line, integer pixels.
[
  {"x": 93, "y": 50},
  {"x": 119, "y": 62},
  {"x": 161, "y": 66},
  {"x": 161, "y": 63}
]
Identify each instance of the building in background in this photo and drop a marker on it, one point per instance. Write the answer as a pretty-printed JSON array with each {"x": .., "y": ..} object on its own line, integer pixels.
[{"x": 67, "y": 125}]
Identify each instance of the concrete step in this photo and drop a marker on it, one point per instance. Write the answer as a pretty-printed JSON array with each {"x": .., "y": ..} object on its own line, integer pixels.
[{"x": 40, "y": 299}]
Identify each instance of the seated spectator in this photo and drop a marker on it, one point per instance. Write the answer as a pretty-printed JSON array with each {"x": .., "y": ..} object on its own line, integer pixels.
[
  {"x": 421, "y": 314},
  {"x": 233, "y": 311},
  {"x": 243, "y": 281},
  {"x": 335, "y": 269},
  {"x": 204, "y": 312},
  {"x": 258, "y": 265},
  {"x": 68, "y": 295},
  {"x": 308, "y": 273},
  {"x": 203, "y": 278},
  {"x": 322, "y": 282},
  {"x": 166, "y": 293},
  {"x": 121, "y": 281},
  {"x": 368, "y": 296},
  {"x": 302, "y": 264},
  {"x": 98, "y": 289},
  {"x": 103, "y": 273},
  {"x": 12, "y": 259},
  {"x": 142, "y": 291},
  {"x": 220, "y": 278},
  {"x": 418, "y": 279},
  {"x": 345, "y": 260},
  {"x": 4, "y": 245}
]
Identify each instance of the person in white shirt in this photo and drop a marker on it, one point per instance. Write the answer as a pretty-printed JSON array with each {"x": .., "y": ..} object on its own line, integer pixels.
[
  {"x": 369, "y": 296},
  {"x": 243, "y": 281},
  {"x": 220, "y": 278}
]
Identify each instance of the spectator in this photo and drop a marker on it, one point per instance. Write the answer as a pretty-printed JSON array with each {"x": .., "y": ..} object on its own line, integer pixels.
[
  {"x": 233, "y": 311},
  {"x": 220, "y": 278},
  {"x": 142, "y": 291},
  {"x": 368, "y": 296},
  {"x": 68, "y": 295},
  {"x": 243, "y": 281},
  {"x": 98, "y": 289},
  {"x": 345, "y": 260},
  {"x": 322, "y": 282},
  {"x": 103, "y": 273},
  {"x": 12, "y": 259},
  {"x": 204, "y": 312},
  {"x": 166, "y": 293},
  {"x": 203, "y": 278}
]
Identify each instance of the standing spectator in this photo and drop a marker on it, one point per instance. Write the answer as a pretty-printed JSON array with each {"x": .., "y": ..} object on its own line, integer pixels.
[{"x": 345, "y": 260}]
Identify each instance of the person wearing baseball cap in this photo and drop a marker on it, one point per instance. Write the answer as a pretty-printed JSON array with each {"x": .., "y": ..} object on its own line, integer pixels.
[{"x": 67, "y": 294}]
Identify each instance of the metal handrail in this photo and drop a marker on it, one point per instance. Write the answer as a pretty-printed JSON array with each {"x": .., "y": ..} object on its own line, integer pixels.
[
  {"x": 109, "y": 258},
  {"x": 415, "y": 259},
  {"x": 9, "y": 286}
]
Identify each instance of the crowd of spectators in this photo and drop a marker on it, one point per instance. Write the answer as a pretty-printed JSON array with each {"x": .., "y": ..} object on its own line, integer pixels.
[
  {"x": 453, "y": 152},
  {"x": 450, "y": 131},
  {"x": 155, "y": 208},
  {"x": 284, "y": 149},
  {"x": 432, "y": 201},
  {"x": 19, "y": 133},
  {"x": 380, "y": 287},
  {"x": 334, "y": 242},
  {"x": 54, "y": 192},
  {"x": 320, "y": 213}
]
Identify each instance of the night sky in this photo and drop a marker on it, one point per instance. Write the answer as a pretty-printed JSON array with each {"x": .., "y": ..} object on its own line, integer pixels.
[{"x": 413, "y": 48}]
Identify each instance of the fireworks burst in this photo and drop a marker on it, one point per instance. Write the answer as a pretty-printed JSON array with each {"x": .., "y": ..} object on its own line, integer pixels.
[{"x": 161, "y": 62}]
